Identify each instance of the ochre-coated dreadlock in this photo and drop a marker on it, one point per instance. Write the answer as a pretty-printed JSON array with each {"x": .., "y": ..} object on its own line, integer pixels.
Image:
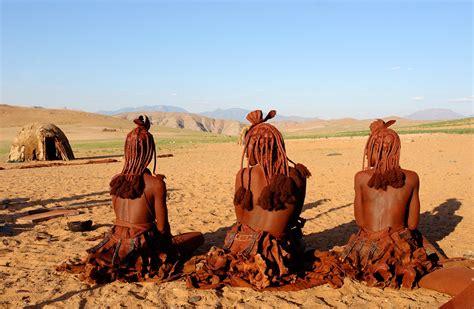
[
  {"x": 383, "y": 155},
  {"x": 268, "y": 150},
  {"x": 139, "y": 151}
]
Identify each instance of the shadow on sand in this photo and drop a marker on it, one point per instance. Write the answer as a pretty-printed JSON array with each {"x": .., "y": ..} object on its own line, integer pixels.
[
  {"x": 315, "y": 204},
  {"x": 215, "y": 238},
  {"x": 440, "y": 222},
  {"x": 19, "y": 203},
  {"x": 10, "y": 228},
  {"x": 64, "y": 297}
]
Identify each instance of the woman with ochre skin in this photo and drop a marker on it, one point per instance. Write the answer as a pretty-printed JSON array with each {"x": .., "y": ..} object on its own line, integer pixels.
[
  {"x": 140, "y": 246},
  {"x": 264, "y": 248},
  {"x": 388, "y": 250}
]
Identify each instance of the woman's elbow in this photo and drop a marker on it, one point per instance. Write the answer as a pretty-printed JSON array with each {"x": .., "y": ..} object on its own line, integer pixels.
[
  {"x": 358, "y": 220},
  {"x": 412, "y": 224}
]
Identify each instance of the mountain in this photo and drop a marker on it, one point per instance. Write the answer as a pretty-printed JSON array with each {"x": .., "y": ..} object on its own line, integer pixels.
[
  {"x": 189, "y": 121},
  {"x": 146, "y": 108},
  {"x": 239, "y": 114},
  {"x": 229, "y": 114},
  {"x": 435, "y": 114},
  {"x": 297, "y": 119}
]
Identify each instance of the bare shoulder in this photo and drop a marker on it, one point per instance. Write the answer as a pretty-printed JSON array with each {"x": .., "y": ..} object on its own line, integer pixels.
[
  {"x": 240, "y": 172},
  {"x": 362, "y": 177},
  {"x": 256, "y": 172},
  {"x": 156, "y": 182},
  {"x": 411, "y": 177},
  {"x": 239, "y": 177}
]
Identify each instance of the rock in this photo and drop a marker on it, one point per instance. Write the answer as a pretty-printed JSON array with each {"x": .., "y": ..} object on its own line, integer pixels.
[
  {"x": 45, "y": 235},
  {"x": 4, "y": 203},
  {"x": 6, "y": 230},
  {"x": 194, "y": 299},
  {"x": 80, "y": 226},
  {"x": 469, "y": 255}
]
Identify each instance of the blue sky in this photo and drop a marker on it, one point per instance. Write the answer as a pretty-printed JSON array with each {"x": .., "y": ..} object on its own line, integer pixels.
[{"x": 320, "y": 59}]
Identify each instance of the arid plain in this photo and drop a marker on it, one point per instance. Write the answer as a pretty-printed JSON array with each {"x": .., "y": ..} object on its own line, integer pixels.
[{"x": 200, "y": 181}]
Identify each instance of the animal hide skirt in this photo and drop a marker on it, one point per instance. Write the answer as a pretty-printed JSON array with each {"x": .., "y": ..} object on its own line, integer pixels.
[
  {"x": 388, "y": 258},
  {"x": 250, "y": 258},
  {"x": 130, "y": 252}
]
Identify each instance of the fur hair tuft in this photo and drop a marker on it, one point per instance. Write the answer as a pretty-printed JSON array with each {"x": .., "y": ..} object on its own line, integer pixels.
[{"x": 303, "y": 170}]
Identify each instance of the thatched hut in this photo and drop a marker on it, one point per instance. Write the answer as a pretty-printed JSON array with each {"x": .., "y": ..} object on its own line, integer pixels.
[{"x": 40, "y": 141}]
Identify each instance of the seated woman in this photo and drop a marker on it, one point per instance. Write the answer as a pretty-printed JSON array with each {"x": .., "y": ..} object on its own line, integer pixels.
[
  {"x": 264, "y": 247},
  {"x": 140, "y": 246},
  {"x": 388, "y": 250}
]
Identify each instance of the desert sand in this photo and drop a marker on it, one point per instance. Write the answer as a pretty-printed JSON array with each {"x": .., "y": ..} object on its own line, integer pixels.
[{"x": 200, "y": 181}]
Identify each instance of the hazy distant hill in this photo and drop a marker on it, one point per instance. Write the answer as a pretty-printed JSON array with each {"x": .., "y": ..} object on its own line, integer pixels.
[
  {"x": 17, "y": 116},
  {"x": 239, "y": 114},
  {"x": 229, "y": 114},
  {"x": 190, "y": 121},
  {"x": 338, "y": 125},
  {"x": 146, "y": 108},
  {"x": 435, "y": 114}
]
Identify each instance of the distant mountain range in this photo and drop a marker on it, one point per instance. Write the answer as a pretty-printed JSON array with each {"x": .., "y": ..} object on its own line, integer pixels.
[
  {"x": 189, "y": 121},
  {"x": 435, "y": 114},
  {"x": 239, "y": 114},
  {"x": 229, "y": 114},
  {"x": 145, "y": 108}
]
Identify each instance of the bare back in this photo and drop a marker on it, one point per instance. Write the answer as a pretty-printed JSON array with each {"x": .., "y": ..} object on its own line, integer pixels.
[
  {"x": 376, "y": 210},
  {"x": 275, "y": 221},
  {"x": 149, "y": 207}
]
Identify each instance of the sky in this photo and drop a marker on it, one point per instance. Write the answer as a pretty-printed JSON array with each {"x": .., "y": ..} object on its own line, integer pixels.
[{"x": 333, "y": 59}]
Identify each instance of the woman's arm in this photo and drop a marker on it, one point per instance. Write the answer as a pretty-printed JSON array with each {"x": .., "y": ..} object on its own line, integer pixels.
[
  {"x": 161, "y": 211},
  {"x": 239, "y": 212},
  {"x": 358, "y": 201},
  {"x": 414, "y": 207}
]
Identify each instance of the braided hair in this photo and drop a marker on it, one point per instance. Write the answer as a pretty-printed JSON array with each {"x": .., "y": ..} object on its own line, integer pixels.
[
  {"x": 382, "y": 151},
  {"x": 268, "y": 150},
  {"x": 139, "y": 150}
]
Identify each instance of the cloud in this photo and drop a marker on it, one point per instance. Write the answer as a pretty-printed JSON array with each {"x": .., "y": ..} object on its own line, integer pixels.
[
  {"x": 460, "y": 100},
  {"x": 418, "y": 98},
  {"x": 398, "y": 68}
]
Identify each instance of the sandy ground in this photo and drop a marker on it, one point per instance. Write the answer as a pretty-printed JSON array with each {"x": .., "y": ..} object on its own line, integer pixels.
[{"x": 200, "y": 183}]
